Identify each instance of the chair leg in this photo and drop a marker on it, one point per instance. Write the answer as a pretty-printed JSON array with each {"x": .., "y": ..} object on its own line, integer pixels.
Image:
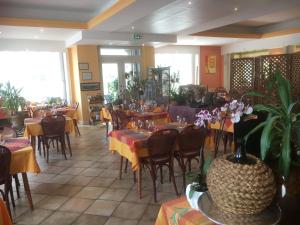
[
  {"x": 17, "y": 183},
  {"x": 126, "y": 165},
  {"x": 63, "y": 146},
  {"x": 183, "y": 168},
  {"x": 12, "y": 197},
  {"x": 161, "y": 175},
  {"x": 6, "y": 199},
  {"x": 171, "y": 171},
  {"x": 69, "y": 144},
  {"x": 121, "y": 165},
  {"x": 153, "y": 176},
  {"x": 27, "y": 189},
  {"x": 76, "y": 127}
]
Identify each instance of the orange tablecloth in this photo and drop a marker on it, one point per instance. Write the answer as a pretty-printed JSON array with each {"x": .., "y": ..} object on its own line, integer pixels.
[
  {"x": 179, "y": 212},
  {"x": 33, "y": 126},
  {"x": 4, "y": 216},
  {"x": 228, "y": 126},
  {"x": 159, "y": 118}
]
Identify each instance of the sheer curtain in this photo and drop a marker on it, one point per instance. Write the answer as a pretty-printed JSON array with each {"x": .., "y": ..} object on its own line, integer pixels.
[
  {"x": 182, "y": 59},
  {"x": 39, "y": 74}
]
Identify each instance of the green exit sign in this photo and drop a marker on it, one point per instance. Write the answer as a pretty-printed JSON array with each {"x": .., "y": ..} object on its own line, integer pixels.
[{"x": 137, "y": 36}]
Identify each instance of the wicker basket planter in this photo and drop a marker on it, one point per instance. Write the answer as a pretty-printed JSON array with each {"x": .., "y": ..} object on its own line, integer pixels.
[{"x": 240, "y": 188}]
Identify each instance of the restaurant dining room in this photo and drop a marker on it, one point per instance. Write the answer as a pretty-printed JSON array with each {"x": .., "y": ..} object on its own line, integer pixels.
[{"x": 161, "y": 112}]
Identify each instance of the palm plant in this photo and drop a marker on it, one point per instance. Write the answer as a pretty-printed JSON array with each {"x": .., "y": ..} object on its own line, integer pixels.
[
  {"x": 11, "y": 98},
  {"x": 282, "y": 123}
]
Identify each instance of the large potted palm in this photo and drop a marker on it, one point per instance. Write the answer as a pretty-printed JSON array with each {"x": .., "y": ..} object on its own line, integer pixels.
[
  {"x": 280, "y": 138},
  {"x": 14, "y": 102}
]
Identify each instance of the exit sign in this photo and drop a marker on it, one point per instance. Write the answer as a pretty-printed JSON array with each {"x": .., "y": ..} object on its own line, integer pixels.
[{"x": 137, "y": 36}]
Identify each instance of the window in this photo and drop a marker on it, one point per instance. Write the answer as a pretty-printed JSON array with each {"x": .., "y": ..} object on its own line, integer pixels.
[
  {"x": 182, "y": 60},
  {"x": 39, "y": 74},
  {"x": 120, "y": 51}
]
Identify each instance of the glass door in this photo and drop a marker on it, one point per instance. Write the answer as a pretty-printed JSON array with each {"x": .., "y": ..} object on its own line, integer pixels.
[{"x": 110, "y": 74}]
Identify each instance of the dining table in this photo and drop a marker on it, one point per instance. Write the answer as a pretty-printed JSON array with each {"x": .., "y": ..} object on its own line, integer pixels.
[
  {"x": 159, "y": 118},
  {"x": 23, "y": 160},
  {"x": 67, "y": 111},
  {"x": 33, "y": 129},
  {"x": 4, "y": 215},
  {"x": 179, "y": 212}
]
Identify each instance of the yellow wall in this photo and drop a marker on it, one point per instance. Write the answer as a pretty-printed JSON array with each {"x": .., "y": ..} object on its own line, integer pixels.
[
  {"x": 147, "y": 59},
  {"x": 83, "y": 54}
]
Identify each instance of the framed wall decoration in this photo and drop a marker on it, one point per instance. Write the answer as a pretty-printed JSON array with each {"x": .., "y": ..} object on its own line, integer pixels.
[
  {"x": 211, "y": 64},
  {"x": 83, "y": 66},
  {"x": 86, "y": 75},
  {"x": 94, "y": 86}
]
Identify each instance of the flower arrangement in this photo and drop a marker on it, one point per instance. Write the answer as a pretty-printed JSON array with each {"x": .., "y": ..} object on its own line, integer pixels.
[{"x": 233, "y": 110}]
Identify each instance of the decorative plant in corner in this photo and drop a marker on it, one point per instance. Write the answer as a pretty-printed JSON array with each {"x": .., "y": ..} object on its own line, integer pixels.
[{"x": 280, "y": 137}]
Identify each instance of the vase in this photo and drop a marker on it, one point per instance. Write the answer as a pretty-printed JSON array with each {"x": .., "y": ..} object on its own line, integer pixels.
[
  {"x": 192, "y": 196},
  {"x": 240, "y": 183}
]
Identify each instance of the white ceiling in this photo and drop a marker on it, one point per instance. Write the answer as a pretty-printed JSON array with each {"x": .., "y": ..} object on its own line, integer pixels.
[
  {"x": 73, "y": 10},
  {"x": 176, "y": 17}
]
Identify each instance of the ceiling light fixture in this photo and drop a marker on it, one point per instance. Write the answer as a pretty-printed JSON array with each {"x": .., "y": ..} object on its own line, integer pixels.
[
  {"x": 110, "y": 43},
  {"x": 143, "y": 44},
  {"x": 42, "y": 30},
  {"x": 189, "y": 2},
  {"x": 236, "y": 9},
  {"x": 0, "y": 32},
  {"x": 132, "y": 28}
]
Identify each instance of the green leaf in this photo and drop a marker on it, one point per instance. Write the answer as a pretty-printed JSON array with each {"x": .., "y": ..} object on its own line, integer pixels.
[
  {"x": 284, "y": 90},
  {"x": 255, "y": 129},
  {"x": 266, "y": 108},
  {"x": 266, "y": 137},
  {"x": 285, "y": 156},
  {"x": 291, "y": 106}
]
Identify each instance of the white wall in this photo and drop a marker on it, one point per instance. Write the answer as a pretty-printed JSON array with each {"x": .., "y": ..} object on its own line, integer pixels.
[
  {"x": 260, "y": 44},
  {"x": 31, "y": 45}
]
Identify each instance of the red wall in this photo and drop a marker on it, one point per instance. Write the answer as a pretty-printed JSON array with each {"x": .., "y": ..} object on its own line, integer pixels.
[{"x": 211, "y": 80}]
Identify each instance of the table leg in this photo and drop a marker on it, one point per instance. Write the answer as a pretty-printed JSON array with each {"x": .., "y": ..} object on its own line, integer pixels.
[
  {"x": 69, "y": 144},
  {"x": 32, "y": 141},
  {"x": 27, "y": 189},
  {"x": 140, "y": 181}
]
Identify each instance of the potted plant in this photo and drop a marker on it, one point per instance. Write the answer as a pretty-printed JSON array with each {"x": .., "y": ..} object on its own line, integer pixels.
[
  {"x": 14, "y": 102},
  {"x": 280, "y": 141},
  {"x": 178, "y": 96}
]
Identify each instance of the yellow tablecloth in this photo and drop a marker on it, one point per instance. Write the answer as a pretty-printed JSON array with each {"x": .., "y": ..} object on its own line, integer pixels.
[
  {"x": 124, "y": 150},
  {"x": 23, "y": 161},
  {"x": 179, "y": 212},
  {"x": 4, "y": 216},
  {"x": 105, "y": 115},
  {"x": 67, "y": 111},
  {"x": 34, "y": 128},
  {"x": 228, "y": 126}
]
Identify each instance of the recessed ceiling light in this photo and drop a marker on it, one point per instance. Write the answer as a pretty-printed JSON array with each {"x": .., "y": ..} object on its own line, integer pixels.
[
  {"x": 42, "y": 30},
  {"x": 36, "y": 37},
  {"x": 0, "y": 32},
  {"x": 189, "y": 2},
  {"x": 143, "y": 44},
  {"x": 110, "y": 43},
  {"x": 132, "y": 28},
  {"x": 236, "y": 9}
]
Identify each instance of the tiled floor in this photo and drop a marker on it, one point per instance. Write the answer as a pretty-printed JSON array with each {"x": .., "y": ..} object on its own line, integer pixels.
[{"x": 85, "y": 189}]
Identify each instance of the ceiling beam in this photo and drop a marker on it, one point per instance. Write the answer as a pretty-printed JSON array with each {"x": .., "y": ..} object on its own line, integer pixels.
[{"x": 227, "y": 35}]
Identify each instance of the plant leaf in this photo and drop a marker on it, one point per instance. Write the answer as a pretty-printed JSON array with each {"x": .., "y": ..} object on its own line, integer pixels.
[
  {"x": 285, "y": 156},
  {"x": 254, "y": 94},
  {"x": 266, "y": 108},
  {"x": 266, "y": 137}
]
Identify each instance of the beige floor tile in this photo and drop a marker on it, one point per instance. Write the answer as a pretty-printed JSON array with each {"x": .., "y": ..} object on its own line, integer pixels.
[
  {"x": 23, "y": 201},
  {"x": 91, "y": 172},
  {"x": 61, "y": 218},
  {"x": 114, "y": 194},
  {"x": 60, "y": 179},
  {"x": 90, "y": 192},
  {"x": 76, "y": 205},
  {"x": 151, "y": 213},
  {"x": 33, "y": 217},
  {"x": 102, "y": 208},
  {"x": 73, "y": 170},
  {"x": 101, "y": 182},
  {"x": 128, "y": 210},
  {"x": 133, "y": 196},
  {"x": 18, "y": 211},
  {"x": 86, "y": 219},
  {"x": 124, "y": 183},
  {"x": 52, "y": 202},
  {"x": 53, "y": 169},
  {"x": 80, "y": 180},
  {"x": 68, "y": 190},
  {"x": 163, "y": 197},
  {"x": 146, "y": 222},
  {"x": 83, "y": 163},
  {"x": 44, "y": 188},
  {"x": 119, "y": 221}
]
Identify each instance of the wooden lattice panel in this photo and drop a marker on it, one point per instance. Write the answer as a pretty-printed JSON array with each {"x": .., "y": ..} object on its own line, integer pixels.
[
  {"x": 242, "y": 75},
  {"x": 295, "y": 75}
]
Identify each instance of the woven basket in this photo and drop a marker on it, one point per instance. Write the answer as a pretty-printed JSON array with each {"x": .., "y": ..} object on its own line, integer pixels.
[{"x": 239, "y": 188}]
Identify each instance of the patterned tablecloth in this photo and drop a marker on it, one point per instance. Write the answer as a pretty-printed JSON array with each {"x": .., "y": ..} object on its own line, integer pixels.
[
  {"x": 22, "y": 156},
  {"x": 159, "y": 118},
  {"x": 105, "y": 115},
  {"x": 228, "y": 126},
  {"x": 4, "y": 216},
  {"x": 179, "y": 212},
  {"x": 33, "y": 126}
]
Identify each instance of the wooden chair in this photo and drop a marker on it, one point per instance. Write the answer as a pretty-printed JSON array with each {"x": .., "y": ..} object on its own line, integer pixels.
[
  {"x": 5, "y": 177},
  {"x": 122, "y": 119},
  {"x": 54, "y": 130},
  {"x": 160, "y": 146},
  {"x": 191, "y": 146},
  {"x": 75, "y": 106},
  {"x": 114, "y": 119}
]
